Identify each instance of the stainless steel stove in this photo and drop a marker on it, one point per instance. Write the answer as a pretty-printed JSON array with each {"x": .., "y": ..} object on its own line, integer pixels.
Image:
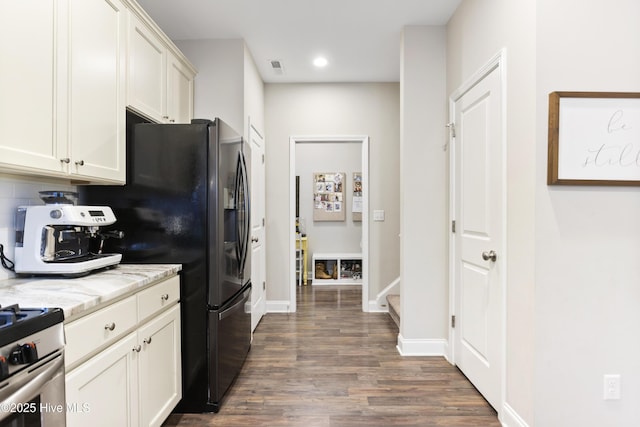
[{"x": 32, "y": 367}]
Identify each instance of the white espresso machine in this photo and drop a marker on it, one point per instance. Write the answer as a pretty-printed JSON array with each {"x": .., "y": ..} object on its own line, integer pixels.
[{"x": 62, "y": 238}]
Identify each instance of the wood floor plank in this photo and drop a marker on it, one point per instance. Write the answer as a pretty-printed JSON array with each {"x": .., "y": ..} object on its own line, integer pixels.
[{"x": 330, "y": 365}]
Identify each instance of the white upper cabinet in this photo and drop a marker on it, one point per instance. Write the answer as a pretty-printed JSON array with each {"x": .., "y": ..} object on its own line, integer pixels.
[
  {"x": 160, "y": 84},
  {"x": 179, "y": 91},
  {"x": 63, "y": 106},
  {"x": 146, "y": 87},
  {"x": 70, "y": 68},
  {"x": 29, "y": 137},
  {"x": 97, "y": 72}
]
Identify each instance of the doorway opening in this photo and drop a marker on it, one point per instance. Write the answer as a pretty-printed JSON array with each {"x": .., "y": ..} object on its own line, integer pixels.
[{"x": 347, "y": 204}]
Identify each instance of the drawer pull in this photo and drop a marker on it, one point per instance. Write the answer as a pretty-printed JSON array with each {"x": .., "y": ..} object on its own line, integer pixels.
[
  {"x": 164, "y": 297},
  {"x": 110, "y": 326},
  {"x": 147, "y": 340},
  {"x": 137, "y": 348}
]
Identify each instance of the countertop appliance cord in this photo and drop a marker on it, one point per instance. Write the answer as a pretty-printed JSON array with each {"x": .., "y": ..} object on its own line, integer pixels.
[{"x": 6, "y": 262}]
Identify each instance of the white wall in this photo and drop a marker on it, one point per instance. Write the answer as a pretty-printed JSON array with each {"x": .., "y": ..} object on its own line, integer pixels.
[
  {"x": 424, "y": 192},
  {"x": 317, "y": 157},
  {"x": 17, "y": 191},
  {"x": 587, "y": 293},
  {"x": 219, "y": 84},
  {"x": 476, "y": 33},
  {"x": 334, "y": 109}
]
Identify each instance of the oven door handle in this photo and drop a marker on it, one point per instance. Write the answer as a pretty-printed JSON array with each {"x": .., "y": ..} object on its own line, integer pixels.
[{"x": 24, "y": 391}]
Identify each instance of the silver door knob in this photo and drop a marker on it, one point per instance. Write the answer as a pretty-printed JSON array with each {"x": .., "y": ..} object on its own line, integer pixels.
[
  {"x": 254, "y": 239},
  {"x": 110, "y": 326},
  {"x": 80, "y": 163},
  {"x": 489, "y": 256}
]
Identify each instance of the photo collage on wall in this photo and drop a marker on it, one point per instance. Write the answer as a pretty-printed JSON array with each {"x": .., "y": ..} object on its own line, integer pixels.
[{"x": 328, "y": 196}]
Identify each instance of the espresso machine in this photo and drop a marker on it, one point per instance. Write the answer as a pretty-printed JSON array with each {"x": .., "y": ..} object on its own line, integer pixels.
[{"x": 62, "y": 238}]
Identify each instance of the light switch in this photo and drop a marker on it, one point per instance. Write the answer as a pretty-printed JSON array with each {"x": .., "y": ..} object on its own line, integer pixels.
[{"x": 378, "y": 215}]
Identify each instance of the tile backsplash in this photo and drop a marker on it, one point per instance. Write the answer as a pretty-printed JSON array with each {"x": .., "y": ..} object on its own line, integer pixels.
[{"x": 18, "y": 191}]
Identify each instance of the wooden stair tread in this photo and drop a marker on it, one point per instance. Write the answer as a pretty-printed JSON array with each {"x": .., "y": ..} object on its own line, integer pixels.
[{"x": 394, "y": 308}]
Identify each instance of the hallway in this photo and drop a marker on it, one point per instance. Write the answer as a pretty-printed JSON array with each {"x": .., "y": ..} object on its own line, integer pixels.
[{"x": 330, "y": 365}]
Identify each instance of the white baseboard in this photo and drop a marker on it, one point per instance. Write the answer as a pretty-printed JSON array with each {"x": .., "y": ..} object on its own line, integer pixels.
[
  {"x": 510, "y": 418},
  {"x": 374, "y": 307},
  {"x": 278, "y": 306},
  {"x": 422, "y": 347}
]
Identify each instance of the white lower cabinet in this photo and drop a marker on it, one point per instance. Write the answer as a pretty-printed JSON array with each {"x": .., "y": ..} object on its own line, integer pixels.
[
  {"x": 131, "y": 379},
  {"x": 159, "y": 368},
  {"x": 102, "y": 391}
]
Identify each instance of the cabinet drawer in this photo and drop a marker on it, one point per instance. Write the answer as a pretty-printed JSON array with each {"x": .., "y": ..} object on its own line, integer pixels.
[
  {"x": 158, "y": 297},
  {"x": 88, "y": 333}
]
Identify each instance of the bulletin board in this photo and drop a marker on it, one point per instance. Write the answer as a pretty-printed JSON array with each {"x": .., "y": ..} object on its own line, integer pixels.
[
  {"x": 356, "y": 200},
  {"x": 328, "y": 196}
]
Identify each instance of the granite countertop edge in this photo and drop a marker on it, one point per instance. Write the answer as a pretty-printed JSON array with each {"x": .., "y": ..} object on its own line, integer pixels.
[{"x": 78, "y": 295}]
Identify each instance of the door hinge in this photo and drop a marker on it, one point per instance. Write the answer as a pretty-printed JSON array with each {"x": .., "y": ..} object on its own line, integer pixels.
[
  {"x": 453, "y": 321},
  {"x": 452, "y": 128},
  {"x": 264, "y": 286},
  {"x": 453, "y": 226},
  {"x": 263, "y": 222},
  {"x": 263, "y": 159}
]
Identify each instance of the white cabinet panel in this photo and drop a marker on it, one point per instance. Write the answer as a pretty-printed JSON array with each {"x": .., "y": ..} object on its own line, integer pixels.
[
  {"x": 102, "y": 391},
  {"x": 159, "y": 367},
  {"x": 28, "y": 85},
  {"x": 179, "y": 91},
  {"x": 147, "y": 65},
  {"x": 97, "y": 67}
]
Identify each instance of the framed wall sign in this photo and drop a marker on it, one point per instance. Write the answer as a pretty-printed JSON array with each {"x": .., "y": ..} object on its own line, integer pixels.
[{"x": 594, "y": 138}]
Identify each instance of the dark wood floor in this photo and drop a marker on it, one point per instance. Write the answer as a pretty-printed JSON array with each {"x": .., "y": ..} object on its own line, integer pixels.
[{"x": 330, "y": 365}]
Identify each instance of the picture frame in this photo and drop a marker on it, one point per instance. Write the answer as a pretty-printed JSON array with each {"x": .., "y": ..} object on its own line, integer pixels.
[{"x": 594, "y": 138}]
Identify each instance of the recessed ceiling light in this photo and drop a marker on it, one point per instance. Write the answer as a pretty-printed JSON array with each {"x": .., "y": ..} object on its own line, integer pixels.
[{"x": 320, "y": 62}]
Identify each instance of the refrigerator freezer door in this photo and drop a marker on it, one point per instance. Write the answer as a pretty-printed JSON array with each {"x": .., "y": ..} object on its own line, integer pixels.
[{"x": 230, "y": 340}]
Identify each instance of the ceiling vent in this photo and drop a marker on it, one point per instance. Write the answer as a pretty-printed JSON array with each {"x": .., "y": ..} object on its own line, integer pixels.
[{"x": 277, "y": 67}]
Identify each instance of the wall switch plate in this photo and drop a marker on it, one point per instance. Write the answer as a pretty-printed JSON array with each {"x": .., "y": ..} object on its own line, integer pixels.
[
  {"x": 612, "y": 387},
  {"x": 378, "y": 215}
]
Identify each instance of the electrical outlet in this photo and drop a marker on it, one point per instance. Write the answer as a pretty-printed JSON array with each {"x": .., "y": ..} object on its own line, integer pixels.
[{"x": 612, "y": 387}]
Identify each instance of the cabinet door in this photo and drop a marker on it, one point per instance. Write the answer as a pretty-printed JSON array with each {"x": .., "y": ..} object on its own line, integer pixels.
[
  {"x": 97, "y": 68},
  {"x": 160, "y": 367},
  {"x": 146, "y": 90},
  {"x": 28, "y": 97},
  {"x": 102, "y": 391},
  {"x": 179, "y": 91}
]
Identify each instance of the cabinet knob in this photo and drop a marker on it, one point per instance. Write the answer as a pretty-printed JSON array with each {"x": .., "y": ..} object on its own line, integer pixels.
[
  {"x": 110, "y": 326},
  {"x": 80, "y": 163},
  {"x": 165, "y": 117},
  {"x": 65, "y": 160},
  {"x": 137, "y": 348},
  {"x": 147, "y": 340},
  {"x": 172, "y": 121},
  {"x": 164, "y": 297}
]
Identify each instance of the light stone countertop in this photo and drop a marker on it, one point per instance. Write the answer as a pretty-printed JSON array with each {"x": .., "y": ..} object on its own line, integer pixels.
[{"x": 77, "y": 295}]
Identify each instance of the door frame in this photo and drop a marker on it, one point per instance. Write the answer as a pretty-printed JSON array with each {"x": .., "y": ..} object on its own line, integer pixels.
[
  {"x": 364, "y": 140},
  {"x": 498, "y": 62}
]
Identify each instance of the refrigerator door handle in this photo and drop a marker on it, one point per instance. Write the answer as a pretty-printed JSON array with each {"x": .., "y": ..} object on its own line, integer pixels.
[
  {"x": 236, "y": 197},
  {"x": 247, "y": 210},
  {"x": 235, "y": 307}
]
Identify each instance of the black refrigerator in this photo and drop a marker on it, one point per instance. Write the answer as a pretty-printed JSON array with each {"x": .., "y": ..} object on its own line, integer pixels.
[{"x": 186, "y": 201}]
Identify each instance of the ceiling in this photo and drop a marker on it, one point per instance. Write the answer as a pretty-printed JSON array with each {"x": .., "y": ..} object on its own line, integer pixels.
[{"x": 359, "y": 38}]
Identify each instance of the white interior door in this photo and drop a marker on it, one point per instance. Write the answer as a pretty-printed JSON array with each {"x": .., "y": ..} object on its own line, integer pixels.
[
  {"x": 478, "y": 241},
  {"x": 258, "y": 254}
]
